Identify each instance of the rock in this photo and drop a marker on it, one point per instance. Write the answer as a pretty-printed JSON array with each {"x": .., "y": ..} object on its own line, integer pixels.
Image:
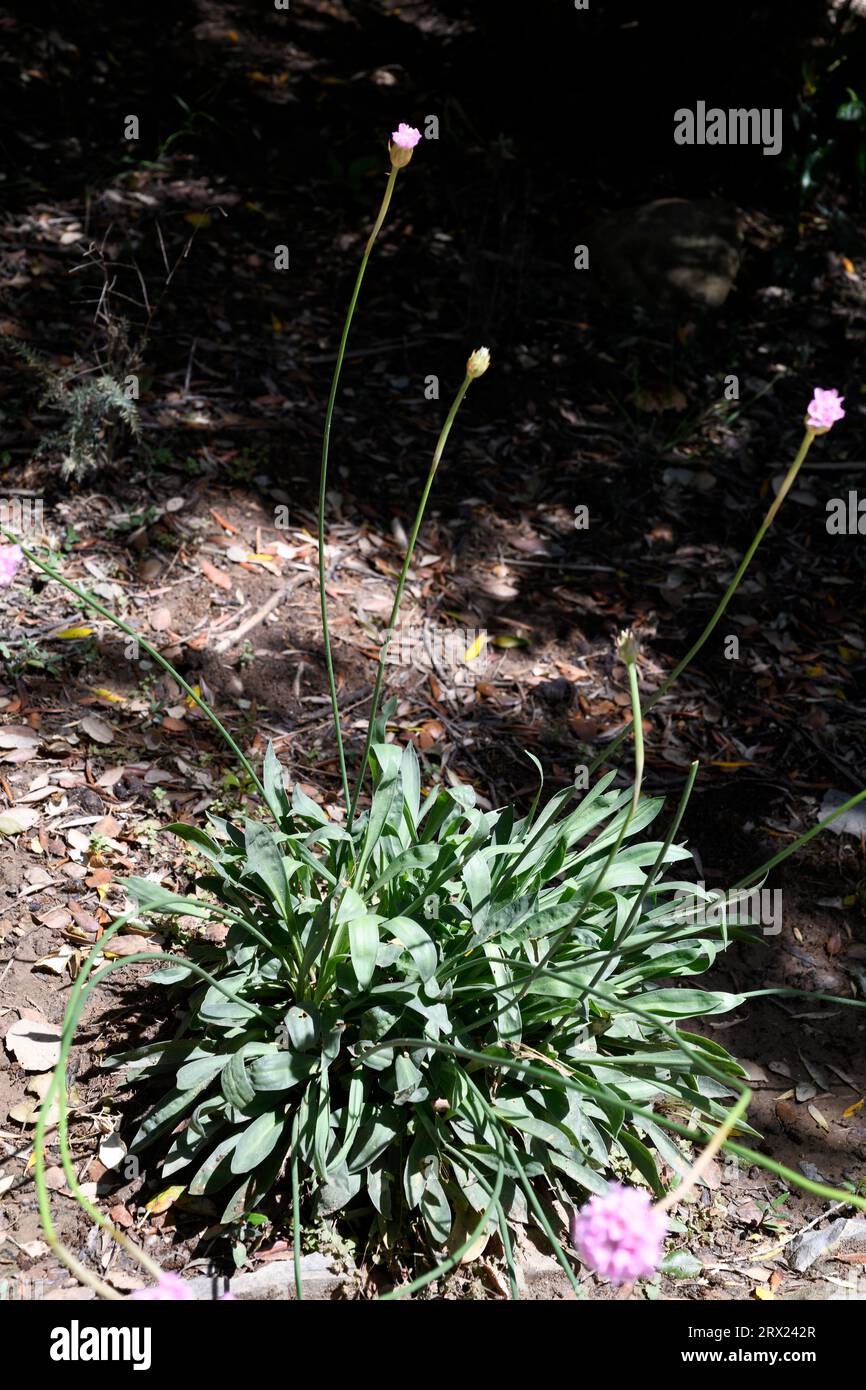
[
  {"x": 539, "y": 1273},
  {"x": 811, "y": 1172},
  {"x": 556, "y": 692},
  {"x": 276, "y": 1280},
  {"x": 847, "y": 1234},
  {"x": 669, "y": 254}
]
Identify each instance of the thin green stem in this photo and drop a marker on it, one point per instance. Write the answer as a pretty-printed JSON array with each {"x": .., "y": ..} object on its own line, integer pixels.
[
  {"x": 540, "y": 1214},
  {"x": 588, "y": 897},
  {"x": 615, "y": 1098},
  {"x": 296, "y": 1211},
  {"x": 57, "y": 1091},
  {"x": 637, "y": 727},
  {"x": 660, "y": 857},
  {"x": 465, "y": 1159},
  {"x": 675, "y": 674},
  {"x": 398, "y": 597},
  {"x": 799, "y": 842},
  {"x": 323, "y": 477},
  {"x": 151, "y": 651}
]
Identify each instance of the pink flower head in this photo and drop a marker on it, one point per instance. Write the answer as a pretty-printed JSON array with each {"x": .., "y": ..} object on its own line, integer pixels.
[
  {"x": 169, "y": 1288},
  {"x": 825, "y": 408},
  {"x": 10, "y": 558},
  {"x": 406, "y": 136},
  {"x": 620, "y": 1235},
  {"x": 403, "y": 141}
]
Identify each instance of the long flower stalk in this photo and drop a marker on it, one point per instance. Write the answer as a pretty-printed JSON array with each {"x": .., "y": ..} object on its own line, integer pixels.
[
  {"x": 475, "y": 367},
  {"x": 787, "y": 484},
  {"x": 403, "y": 142}
]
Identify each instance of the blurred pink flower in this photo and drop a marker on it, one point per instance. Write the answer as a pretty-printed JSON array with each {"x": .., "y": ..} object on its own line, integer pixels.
[
  {"x": 619, "y": 1235},
  {"x": 169, "y": 1288},
  {"x": 10, "y": 558},
  {"x": 825, "y": 408},
  {"x": 406, "y": 136}
]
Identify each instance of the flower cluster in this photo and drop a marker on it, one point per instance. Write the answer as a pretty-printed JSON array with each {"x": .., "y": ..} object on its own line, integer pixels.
[
  {"x": 620, "y": 1235},
  {"x": 825, "y": 408},
  {"x": 403, "y": 141},
  {"x": 10, "y": 558}
]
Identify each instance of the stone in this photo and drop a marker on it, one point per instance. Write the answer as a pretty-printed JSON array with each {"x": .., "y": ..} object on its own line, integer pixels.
[
  {"x": 668, "y": 255},
  {"x": 275, "y": 1279}
]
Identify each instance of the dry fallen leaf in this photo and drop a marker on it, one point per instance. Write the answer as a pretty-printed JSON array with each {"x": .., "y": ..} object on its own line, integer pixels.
[
  {"x": 163, "y": 1200},
  {"x": 99, "y": 730},
  {"x": 218, "y": 577},
  {"x": 35, "y": 1044},
  {"x": 57, "y": 962},
  {"x": 130, "y": 946},
  {"x": 19, "y": 818},
  {"x": 664, "y": 396},
  {"x": 112, "y": 1151}
]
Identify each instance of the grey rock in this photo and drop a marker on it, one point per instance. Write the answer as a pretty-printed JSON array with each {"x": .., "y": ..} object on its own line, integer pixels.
[{"x": 276, "y": 1280}]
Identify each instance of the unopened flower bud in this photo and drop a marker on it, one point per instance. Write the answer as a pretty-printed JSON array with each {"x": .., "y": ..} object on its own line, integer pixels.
[
  {"x": 403, "y": 141},
  {"x": 479, "y": 361},
  {"x": 627, "y": 647}
]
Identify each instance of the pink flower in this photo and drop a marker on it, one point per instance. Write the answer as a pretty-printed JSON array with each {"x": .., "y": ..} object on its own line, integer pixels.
[
  {"x": 169, "y": 1288},
  {"x": 10, "y": 558},
  {"x": 619, "y": 1235},
  {"x": 406, "y": 136},
  {"x": 403, "y": 141},
  {"x": 825, "y": 408}
]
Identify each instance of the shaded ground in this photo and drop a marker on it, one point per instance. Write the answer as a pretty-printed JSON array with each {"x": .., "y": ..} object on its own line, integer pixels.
[{"x": 591, "y": 403}]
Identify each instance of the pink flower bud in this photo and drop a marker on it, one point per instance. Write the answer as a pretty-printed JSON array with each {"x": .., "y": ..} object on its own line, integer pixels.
[
  {"x": 10, "y": 558},
  {"x": 403, "y": 141},
  {"x": 620, "y": 1235},
  {"x": 825, "y": 408}
]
